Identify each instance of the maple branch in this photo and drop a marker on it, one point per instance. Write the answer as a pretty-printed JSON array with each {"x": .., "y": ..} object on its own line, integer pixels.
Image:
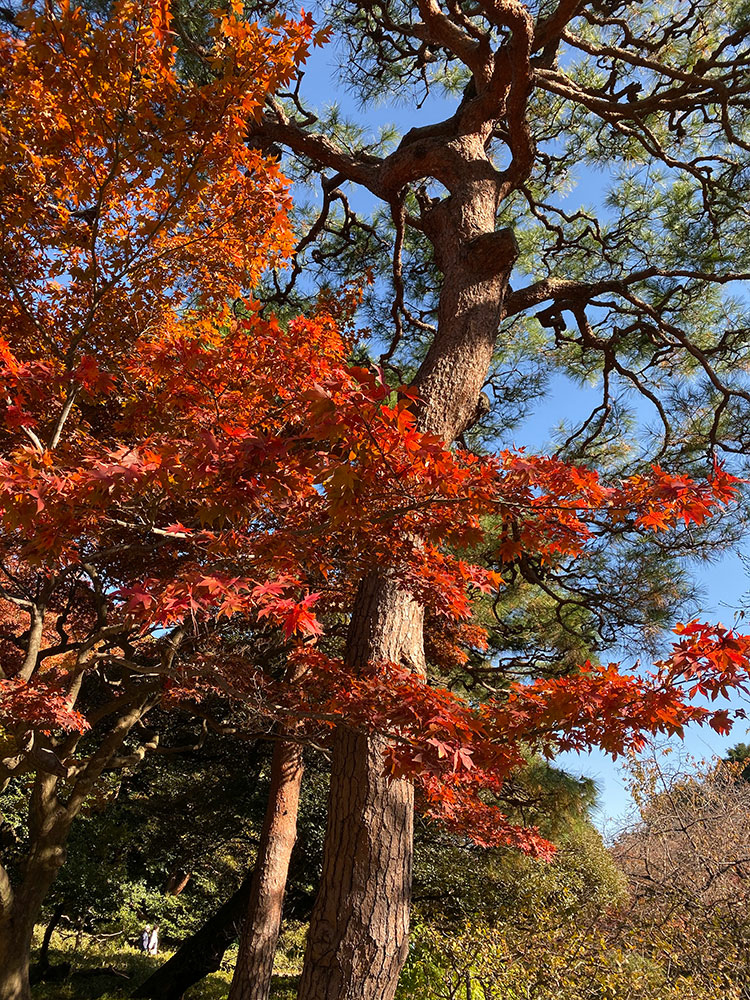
[
  {"x": 34, "y": 642},
  {"x": 139, "y": 754},
  {"x": 30, "y": 434},
  {"x": 94, "y": 767},
  {"x": 64, "y": 414}
]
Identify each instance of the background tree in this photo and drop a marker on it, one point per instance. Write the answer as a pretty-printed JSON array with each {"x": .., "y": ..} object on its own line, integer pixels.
[{"x": 686, "y": 861}]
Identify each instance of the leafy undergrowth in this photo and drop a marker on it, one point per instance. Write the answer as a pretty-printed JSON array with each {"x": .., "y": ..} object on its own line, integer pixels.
[{"x": 131, "y": 967}]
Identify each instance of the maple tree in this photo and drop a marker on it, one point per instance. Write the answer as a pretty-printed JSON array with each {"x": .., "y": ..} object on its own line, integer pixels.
[
  {"x": 179, "y": 474},
  {"x": 130, "y": 205}
]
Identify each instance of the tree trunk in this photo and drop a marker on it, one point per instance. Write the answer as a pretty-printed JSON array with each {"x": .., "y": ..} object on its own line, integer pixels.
[
  {"x": 177, "y": 882},
  {"x": 42, "y": 965},
  {"x": 358, "y": 936},
  {"x": 15, "y": 944},
  {"x": 17, "y": 929},
  {"x": 260, "y": 929},
  {"x": 49, "y": 826},
  {"x": 368, "y": 885},
  {"x": 360, "y": 923},
  {"x": 202, "y": 953}
]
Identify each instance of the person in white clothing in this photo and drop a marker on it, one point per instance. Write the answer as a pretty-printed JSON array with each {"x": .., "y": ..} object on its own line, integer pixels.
[{"x": 153, "y": 941}]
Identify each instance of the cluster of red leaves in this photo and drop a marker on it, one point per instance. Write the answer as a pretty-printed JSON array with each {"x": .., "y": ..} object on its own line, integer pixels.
[
  {"x": 549, "y": 503},
  {"x": 599, "y": 706},
  {"x": 459, "y": 754},
  {"x": 128, "y": 195},
  {"x": 266, "y": 498},
  {"x": 202, "y": 468},
  {"x": 43, "y": 703},
  {"x": 255, "y": 486}
]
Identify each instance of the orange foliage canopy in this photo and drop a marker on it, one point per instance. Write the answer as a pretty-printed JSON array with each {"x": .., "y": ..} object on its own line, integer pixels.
[
  {"x": 125, "y": 190},
  {"x": 175, "y": 473}
]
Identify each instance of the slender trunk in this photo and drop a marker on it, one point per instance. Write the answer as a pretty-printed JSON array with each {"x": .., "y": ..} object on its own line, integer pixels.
[
  {"x": 177, "y": 882},
  {"x": 358, "y": 936},
  {"x": 260, "y": 929},
  {"x": 43, "y": 962}
]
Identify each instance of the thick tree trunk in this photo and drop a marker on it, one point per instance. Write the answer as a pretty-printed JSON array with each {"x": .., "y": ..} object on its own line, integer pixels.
[
  {"x": 358, "y": 936},
  {"x": 260, "y": 929},
  {"x": 15, "y": 943},
  {"x": 360, "y": 923},
  {"x": 17, "y": 927},
  {"x": 368, "y": 885}
]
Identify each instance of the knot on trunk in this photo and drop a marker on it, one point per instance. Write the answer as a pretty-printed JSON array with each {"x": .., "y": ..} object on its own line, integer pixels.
[
  {"x": 491, "y": 254},
  {"x": 482, "y": 408}
]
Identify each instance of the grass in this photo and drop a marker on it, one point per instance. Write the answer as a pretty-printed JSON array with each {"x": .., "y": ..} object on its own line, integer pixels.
[{"x": 137, "y": 967}]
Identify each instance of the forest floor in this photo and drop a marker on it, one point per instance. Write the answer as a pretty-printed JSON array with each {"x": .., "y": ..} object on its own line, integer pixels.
[{"x": 112, "y": 971}]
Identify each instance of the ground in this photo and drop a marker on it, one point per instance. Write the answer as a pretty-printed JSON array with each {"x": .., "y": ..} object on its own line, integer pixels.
[{"x": 136, "y": 966}]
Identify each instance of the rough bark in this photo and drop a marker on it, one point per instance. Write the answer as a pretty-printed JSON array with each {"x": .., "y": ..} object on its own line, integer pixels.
[
  {"x": 260, "y": 929},
  {"x": 202, "y": 953},
  {"x": 360, "y": 923}
]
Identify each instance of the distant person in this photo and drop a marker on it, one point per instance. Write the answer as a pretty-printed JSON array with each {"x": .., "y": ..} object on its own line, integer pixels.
[
  {"x": 145, "y": 937},
  {"x": 153, "y": 941}
]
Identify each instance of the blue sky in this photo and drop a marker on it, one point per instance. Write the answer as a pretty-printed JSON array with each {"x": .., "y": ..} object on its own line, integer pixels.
[{"x": 724, "y": 583}]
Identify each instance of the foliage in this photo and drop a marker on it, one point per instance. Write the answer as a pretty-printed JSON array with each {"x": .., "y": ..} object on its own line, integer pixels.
[
  {"x": 130, "y": 962},
  {"x": 191, "y": 493},
  {"x": 126, "y": 194},
  {"x": 189, "y": 821},
  {"x": 686, "y": 861},
  {"x": 557, "y": 932}
]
